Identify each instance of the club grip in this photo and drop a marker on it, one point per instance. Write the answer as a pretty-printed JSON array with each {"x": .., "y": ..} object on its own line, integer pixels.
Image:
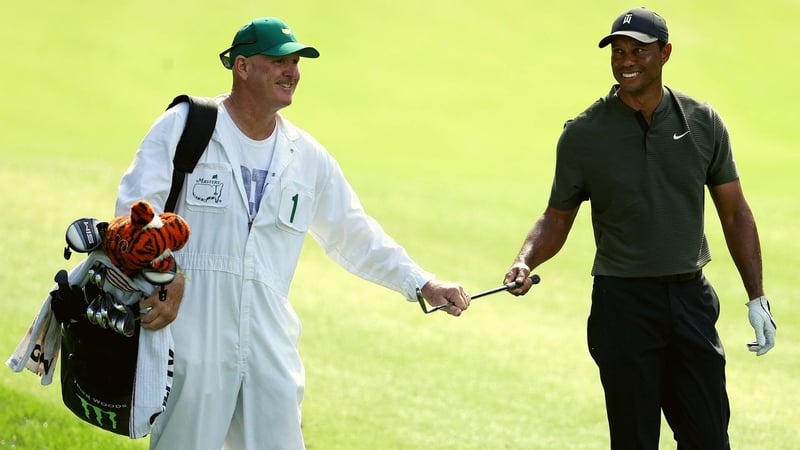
[
  {"x": 535, "y": 279},
  {"x": 62, "y": 279}
]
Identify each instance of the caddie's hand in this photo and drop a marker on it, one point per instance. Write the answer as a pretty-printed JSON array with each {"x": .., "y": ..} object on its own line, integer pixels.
[
  {"x": 441, "y": 292},
  {"x": 156, "y": 314},
  {"x": 762, "y": 321},
  {"x": 518, "y": 273}
]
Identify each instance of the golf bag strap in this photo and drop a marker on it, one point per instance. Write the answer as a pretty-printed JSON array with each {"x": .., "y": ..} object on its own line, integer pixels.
[{"x": 196, "y": 134}]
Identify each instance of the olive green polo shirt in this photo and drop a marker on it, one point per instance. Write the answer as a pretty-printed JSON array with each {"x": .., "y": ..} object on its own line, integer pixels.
[{"x": 645, "y": 183}]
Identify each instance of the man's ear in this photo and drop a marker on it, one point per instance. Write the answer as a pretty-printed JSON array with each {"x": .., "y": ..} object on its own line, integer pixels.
[
  {"x": 665, "y": 53},
  {"x": 239, "y": 65}
]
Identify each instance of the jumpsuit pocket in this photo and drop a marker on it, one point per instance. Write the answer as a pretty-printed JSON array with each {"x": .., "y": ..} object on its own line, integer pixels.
[
  {"x": 295, "y": 208},
  {"x": 208, "y": 187}
]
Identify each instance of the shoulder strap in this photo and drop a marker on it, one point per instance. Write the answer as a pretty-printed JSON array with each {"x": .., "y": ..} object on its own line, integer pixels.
[{"x": 193, "y": 142}]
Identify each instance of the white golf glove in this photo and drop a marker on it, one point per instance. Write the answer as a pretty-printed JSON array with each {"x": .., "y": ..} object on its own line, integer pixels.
[{"x": 762, "y": 321}]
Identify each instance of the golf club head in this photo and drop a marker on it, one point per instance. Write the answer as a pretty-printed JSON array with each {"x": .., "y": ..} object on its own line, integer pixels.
[
  {"x": 158, "y": 278},
  {"x": 92, "y": 309},
  {"x": 119, "y": 306},
  {"x": 83, "y": 236},
  {"x": 98, "y": 318},
  {"x": 126, "y": 324}
]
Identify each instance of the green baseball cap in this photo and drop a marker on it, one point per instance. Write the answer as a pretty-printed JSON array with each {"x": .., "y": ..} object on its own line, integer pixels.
[{"x": 266, "y": 36}]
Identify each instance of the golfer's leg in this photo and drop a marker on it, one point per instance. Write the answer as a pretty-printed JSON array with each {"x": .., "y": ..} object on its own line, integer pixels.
[
  {"x": 695, "y": 399},
  {"x": 625, "y": 341}
]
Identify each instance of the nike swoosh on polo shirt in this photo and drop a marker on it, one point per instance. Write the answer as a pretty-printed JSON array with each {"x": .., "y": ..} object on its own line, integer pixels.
[{"x": 677, "y": 136}]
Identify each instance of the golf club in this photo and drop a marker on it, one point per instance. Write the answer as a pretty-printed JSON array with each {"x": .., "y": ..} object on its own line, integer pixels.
[
  {"x": 534, "y": 278},
  {"x": 92, "y": 309}
]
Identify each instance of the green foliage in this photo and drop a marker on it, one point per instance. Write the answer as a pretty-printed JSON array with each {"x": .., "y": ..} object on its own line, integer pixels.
[{"x": 444, "y": 115}]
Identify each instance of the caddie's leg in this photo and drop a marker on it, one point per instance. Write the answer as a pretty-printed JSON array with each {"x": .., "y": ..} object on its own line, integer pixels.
[
  {"x": 267, "y": 414},
  {"x": 207, "y": 379},
  {"x": 695, "y": 398},
  {"x": 199, "y": 408},
  {"x": 266, "y": 418}
]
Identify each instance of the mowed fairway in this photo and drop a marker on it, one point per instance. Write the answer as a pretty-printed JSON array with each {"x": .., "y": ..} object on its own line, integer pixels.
[{"x": 444, "y": 115}]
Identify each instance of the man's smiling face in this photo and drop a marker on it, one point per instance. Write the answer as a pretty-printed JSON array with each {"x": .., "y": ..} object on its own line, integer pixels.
[{"x": 636, "y": 65}]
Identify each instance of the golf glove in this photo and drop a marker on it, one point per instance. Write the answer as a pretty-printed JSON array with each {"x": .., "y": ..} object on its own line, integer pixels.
[{"x": 762, "y": 321}]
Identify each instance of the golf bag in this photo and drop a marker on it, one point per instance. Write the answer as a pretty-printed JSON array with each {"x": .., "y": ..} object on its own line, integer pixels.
[
  {"x": 113, "y": 375},
  {"x": 97, "y": 307},
  {"x": 100, "y": 352}
]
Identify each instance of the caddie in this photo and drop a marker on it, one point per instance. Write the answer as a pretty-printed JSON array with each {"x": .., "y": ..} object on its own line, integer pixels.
[{"x": 260, "y": 187}]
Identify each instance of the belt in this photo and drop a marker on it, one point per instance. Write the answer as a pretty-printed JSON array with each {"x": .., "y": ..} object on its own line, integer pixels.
[{"x": 677, "y": 277}]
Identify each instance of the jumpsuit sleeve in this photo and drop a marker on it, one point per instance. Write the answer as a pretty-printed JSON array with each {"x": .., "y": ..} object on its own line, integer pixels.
[{"x": 357, "y": 242}]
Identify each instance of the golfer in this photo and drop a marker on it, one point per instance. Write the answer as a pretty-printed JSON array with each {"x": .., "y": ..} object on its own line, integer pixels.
[
  {"x": 260, "y": 187},
  {"x": 643, "y": 156}
]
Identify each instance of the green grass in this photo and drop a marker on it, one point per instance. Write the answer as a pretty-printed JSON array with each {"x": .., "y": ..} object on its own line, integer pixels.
[{"x": 444, "y": 115}]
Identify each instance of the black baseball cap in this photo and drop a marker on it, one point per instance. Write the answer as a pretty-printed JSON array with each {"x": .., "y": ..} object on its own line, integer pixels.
[{"x": 640, "y": 24}]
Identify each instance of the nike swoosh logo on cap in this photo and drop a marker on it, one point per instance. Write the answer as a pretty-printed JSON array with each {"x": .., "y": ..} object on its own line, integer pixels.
[{"x": 677, "y": 136}]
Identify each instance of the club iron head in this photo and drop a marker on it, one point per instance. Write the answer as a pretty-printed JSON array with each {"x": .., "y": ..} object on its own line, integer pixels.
[{"x": 125, "y": 324}]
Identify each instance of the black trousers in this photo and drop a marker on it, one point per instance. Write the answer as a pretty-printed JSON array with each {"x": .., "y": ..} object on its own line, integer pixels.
[{"x": 657, "y": 348}]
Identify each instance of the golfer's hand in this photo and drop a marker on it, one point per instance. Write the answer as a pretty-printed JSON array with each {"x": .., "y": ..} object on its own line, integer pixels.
[
  {"x": 161, "y": 314},
  {"x": 518, "y": 273},
  {"x": 441, "y": 292},
  {"x": 762, "y": 321}
]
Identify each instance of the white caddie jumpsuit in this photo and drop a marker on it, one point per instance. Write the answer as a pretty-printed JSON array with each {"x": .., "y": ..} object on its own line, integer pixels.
[{"x": 238, "y": 375}]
